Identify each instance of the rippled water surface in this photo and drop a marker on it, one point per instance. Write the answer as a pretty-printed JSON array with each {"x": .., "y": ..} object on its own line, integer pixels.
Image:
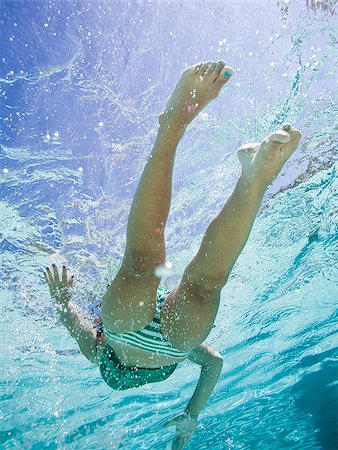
[{"x": 81, "y": 86}]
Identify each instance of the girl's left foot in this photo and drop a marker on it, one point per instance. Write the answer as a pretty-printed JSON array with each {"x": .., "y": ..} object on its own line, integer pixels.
[
  {"x": 198, "y": 85},
  {"x": 262, "y": 162}
]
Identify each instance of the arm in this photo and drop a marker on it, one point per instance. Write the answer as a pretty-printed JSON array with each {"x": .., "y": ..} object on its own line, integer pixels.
[
  {"x": 212, "y": 363},
  {"x": 186, "y": 422},
  {"x": 69, "y": 314},
  {"x": 90, "y": 345}
]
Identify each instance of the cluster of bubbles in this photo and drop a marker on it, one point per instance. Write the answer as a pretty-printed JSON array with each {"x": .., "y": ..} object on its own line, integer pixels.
[{"x": 54, "y": 137}]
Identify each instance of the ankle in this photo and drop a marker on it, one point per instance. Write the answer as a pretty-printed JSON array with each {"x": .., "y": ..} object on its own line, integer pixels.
[
  {"x": 169, "y": 128},
  {"x": 252, "y": 185}
]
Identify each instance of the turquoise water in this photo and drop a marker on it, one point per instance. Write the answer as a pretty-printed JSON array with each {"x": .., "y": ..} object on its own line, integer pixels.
[{"x": 80, "y": 99}]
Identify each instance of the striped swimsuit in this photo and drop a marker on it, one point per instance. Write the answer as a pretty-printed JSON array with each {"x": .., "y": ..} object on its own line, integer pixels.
[{"x": 150, "y": 337}]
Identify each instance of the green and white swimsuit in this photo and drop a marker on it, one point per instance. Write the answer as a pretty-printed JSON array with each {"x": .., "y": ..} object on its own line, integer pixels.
[{"x": 150, "y": 337}]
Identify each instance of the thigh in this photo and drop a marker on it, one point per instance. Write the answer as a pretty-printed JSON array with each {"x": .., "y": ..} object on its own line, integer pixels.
[
  {"x": 130, "y": 302},
  {"x": 188, "y": 314}
]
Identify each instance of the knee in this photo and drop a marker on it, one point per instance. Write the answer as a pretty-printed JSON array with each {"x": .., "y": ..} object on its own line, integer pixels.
[{"x": 205, "y": 286}]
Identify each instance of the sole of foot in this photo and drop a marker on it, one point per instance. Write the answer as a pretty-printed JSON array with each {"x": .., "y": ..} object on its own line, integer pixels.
[
  {"x": 197, "y": 86},
  {"x": 262, "y": 162}
]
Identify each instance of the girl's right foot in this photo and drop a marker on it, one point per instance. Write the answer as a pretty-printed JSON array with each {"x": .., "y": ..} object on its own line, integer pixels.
[
  {"x": 198, "y": 85},
  {"x": 262, "y": 162}
]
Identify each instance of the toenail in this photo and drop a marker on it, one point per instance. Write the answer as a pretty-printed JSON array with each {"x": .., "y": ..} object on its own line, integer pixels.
[
  {"x": 286, "y": 126},
  {"x": 227, "y": 73}
]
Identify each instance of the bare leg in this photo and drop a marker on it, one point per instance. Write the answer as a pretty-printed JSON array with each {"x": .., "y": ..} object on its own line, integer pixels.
[
  {"x": 149, "y": 212},
  {"x": 191, "y": 308},
  {"x": 151, "y": 204},
  {"x": 130, "y": 301},
  {"x": 230, "y": 229}
]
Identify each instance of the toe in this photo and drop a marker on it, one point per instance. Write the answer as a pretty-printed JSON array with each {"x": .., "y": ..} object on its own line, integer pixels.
[
  {"x": 212, "y": 68},
  {"x": 193, "y": 70},
  {"x": 294, "y": 133},
  {"x": 218, "y": 69},
  {"x": 286, "y": 126},
  {"x": 202, "y": 67},
  {"x": 277, "y": 137},
  {"x": 224, "y": 76},
  {"x": 205, "y": 69}
]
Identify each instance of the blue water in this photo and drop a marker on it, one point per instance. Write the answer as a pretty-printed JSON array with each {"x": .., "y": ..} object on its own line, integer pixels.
[{"x": 81, "y": 86}]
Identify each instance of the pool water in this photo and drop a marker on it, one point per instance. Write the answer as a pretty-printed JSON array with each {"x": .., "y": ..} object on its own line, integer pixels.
[{"x": 82, "y": 84}]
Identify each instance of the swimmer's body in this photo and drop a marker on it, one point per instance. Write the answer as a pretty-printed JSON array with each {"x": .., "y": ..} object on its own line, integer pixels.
[{"x": 189, "y": 311}]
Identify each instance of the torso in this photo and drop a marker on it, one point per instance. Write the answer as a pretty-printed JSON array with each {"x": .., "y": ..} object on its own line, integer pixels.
[{"x": 133, "y": 356}]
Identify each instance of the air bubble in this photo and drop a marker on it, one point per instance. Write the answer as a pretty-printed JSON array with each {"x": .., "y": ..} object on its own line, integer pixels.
[
  {"x": 47, "y": 138},
  {"x": 55, "y": 136},
  {"x": 5, "y": 170},
  {"x": 163, "y": 269},
  {"x": 80, "y": 169}
]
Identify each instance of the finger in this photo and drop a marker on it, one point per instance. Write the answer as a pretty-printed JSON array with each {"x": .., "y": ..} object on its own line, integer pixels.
[
  {"x": 56, "y": 273},
  {"x": 46, "y": 277},
  {"x": 179, "y": 443},
  {"x": 64, "y": 274},
  {"x": 50, "y": 276},
  {"x": 186, "y": 440},
  {"x": 71, "y": 281}
]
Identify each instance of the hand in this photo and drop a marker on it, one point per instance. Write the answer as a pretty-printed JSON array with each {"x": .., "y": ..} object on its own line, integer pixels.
[
  {"x": 185, "y": 428},
  {"x": 59, "y": 286}
]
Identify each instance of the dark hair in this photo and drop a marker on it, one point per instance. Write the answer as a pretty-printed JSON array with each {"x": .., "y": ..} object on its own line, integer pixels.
[{"x": 98, "y": 325}]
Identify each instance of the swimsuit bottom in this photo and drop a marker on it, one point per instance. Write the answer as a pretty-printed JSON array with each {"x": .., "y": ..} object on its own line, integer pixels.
[
  {"x": 150, "y": 337},
  {"x": 120, "y": 377}
]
